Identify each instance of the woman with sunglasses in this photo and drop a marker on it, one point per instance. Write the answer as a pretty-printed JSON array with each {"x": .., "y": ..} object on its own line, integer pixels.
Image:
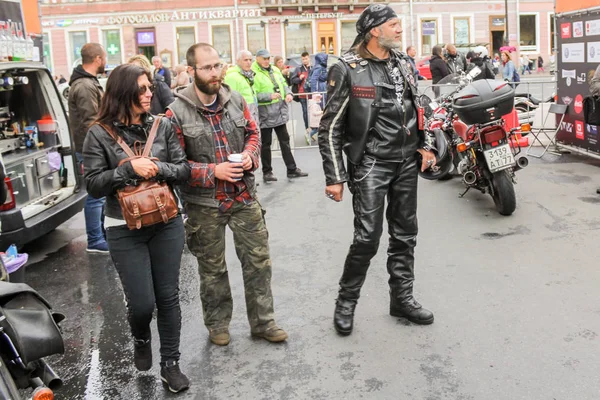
[{"x": 147, "y": 259}]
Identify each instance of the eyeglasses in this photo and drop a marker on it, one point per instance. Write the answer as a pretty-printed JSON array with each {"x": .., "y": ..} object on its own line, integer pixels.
[
  {"x": 144, "y": 88},
  {"x": 208, "y": 68}
]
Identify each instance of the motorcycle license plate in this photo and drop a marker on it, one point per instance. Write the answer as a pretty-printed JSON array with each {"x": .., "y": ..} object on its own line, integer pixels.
[{"x": 499, "y": 158}]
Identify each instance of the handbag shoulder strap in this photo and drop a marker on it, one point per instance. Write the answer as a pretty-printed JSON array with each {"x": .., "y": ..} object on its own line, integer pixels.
[
  {"x": 126, "y": 148},
  {"x": 151, "y": 137},
  {"x": 119, "y": 140}
]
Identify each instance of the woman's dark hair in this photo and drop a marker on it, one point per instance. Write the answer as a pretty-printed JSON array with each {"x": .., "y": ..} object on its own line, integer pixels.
[
  {"x": 437, "y": 51},
  {"x": 122, "y": 95}
]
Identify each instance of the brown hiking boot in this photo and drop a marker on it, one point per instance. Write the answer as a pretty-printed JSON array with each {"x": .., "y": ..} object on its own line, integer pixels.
[
  {"x": 274, "y": 334},
  {"x": 220, "y": 337}
]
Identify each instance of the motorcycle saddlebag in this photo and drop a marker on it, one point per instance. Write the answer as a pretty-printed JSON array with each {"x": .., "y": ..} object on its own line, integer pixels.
[
  {"x": 29, "y": 322},
  {"x": 484, "y": 101}
]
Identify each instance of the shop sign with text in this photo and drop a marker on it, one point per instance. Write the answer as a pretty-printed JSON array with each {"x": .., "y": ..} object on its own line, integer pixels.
[{"x": 175, "y": 16}]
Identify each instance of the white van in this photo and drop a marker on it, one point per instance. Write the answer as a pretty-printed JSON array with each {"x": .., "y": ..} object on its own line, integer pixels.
[{"x": 44, "y": 180}]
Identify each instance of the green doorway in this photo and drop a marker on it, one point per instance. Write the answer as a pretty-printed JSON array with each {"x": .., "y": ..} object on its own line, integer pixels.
[{"x": 148, "y": 51}]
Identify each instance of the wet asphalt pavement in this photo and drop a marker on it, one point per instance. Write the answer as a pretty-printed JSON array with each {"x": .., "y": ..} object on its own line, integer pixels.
[{"x": 516, "y": 302}]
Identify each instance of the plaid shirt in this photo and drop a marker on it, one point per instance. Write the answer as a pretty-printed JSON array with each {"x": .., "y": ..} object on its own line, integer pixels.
[{"x": 203, "y": 174}]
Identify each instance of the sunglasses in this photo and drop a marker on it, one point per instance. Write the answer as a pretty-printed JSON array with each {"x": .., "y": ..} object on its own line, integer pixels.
[{"x": 144, "y": 88}]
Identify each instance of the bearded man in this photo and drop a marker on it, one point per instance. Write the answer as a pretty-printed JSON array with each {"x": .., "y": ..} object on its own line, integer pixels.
[
  {"x": 371, "y": 115},
  {"x": 214, "y": 122}
]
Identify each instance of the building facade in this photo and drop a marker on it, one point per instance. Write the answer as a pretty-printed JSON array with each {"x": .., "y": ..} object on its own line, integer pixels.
[{"x": 285, "y": 27}]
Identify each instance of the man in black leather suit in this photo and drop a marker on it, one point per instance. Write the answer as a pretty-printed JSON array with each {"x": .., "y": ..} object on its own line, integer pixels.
[{"x": 371, "y": 115}]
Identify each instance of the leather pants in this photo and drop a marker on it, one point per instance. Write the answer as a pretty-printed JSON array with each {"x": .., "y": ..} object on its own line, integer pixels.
[{"x": 371, "y": 183}]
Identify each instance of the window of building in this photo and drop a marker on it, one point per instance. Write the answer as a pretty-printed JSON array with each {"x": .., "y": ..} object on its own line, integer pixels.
[
  {"x": 47, "y": 51},
  {"x": 298, "y": 38},
  {"x": 462, "y": 30},
  {"x": 348, "y": 32},
  {"x": 112, "y": 44},
  {"x": 429, "y": 34},
  {"x": 76, "y": 41},
  {"x": 528, "y": 26},
  {"x": 256, "y": 38},
  {"x": 221, "y": 37},
  {"x": 186, "y": 38}
]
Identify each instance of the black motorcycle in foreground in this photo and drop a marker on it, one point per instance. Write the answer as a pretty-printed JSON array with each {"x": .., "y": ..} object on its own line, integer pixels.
[
  {"x": 28, "y": 332},
  {"x": 470, "y": 116}
]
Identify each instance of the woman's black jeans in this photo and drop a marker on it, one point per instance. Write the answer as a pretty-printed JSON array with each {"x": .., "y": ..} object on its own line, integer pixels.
[{"x": 148, "y": 262}]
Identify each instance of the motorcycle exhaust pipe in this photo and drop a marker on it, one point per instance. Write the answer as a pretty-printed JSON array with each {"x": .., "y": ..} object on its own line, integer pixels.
[
  {"x": 522, "y": 162},
  {"x": 48, "y": 376},
  {"x": 469, "y": 178}
]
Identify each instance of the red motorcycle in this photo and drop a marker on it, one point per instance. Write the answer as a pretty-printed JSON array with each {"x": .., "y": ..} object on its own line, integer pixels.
[{"x": 480, "y": 146}]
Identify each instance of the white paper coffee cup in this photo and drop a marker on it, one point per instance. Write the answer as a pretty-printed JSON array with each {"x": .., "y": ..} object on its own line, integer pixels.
[{"x": 235, "y": 158}]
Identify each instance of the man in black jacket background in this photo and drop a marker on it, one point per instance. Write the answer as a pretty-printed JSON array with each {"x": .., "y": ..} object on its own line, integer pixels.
[
  {"x": 455, "y": 60},
  {"x": 369, "y": 91},
  {"x": 299, "y": 78}
]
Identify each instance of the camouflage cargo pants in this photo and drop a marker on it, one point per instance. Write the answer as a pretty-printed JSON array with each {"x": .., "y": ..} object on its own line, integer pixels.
[{"x": 205, "y": 229}]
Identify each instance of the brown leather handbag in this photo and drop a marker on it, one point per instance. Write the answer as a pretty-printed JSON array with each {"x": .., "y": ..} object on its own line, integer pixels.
[{"x": 150, "y": 202}]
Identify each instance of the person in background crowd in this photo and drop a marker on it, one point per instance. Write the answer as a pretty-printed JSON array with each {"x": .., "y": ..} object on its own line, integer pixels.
[
  {"x": 162, "y": 94},
  {"x": 455, "y": 60},
  {"x": 318, "y": 77},
  {"x": 411, "y": 51},
  {"x": 508, "y": 67},
  {"x": 182, "y": 80},
  {"x": 314, "y": 115},
  {"x": 147, "y": 259},
  {"x": 469, "y": 56},
  {"x": 206, "y": 117},
  {"x": 381, "y": 148},
  {"x": 496, "y": 64},
  {"x": 299, "y": 78},
  {"x": 159, "y": 69},
  {"x": 552, "y": 63},
  {"x": 61, "y": 80},
  {"x": 177, "y": 81},
  {"x": 241, "y": 79},
  {"x": 273, "y": 98},
  {"x": 595, "y": 91},
  {"x": 85, "y": 94},
  {"x": 525, "y": 64},
  {"x": 438, "y": 67},
  {"x": 540, "y": 63},
  {"x": 284, "y": 69},
  {"x": 224, "y": 70},
  {"x": 478, "y": 60}
]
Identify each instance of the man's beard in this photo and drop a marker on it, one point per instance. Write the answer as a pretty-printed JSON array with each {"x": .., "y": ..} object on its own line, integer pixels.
[
  {"x": 207, "y": 87},
  {"x": 388, "y": 44},
  {"x": 100, "y": 70}
]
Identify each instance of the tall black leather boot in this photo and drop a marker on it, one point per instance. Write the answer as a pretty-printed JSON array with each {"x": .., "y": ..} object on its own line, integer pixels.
[
  {"x": 343, "y": 316},
  {"x": 353, "y": 277}
]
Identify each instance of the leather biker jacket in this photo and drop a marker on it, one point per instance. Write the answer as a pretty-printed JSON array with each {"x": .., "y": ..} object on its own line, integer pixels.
[{"x": 358, "y": 90}]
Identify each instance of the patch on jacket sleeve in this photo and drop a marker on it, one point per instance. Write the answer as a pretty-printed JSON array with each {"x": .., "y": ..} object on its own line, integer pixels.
[
  {"x": 363, "y": 92},
  {"x": 332, "y": 83}
]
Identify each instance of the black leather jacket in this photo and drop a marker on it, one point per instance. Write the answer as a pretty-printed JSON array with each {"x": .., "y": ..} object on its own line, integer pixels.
[
  {"x": 361, "y": 104},
  {"x": 101, "y": 156}
]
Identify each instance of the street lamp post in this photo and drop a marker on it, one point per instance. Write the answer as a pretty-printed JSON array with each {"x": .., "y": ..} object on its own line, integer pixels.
[{"x": 506, "y": 21}]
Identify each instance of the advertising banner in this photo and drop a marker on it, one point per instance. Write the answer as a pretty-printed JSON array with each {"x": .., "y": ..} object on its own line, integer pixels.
[{"x": 578, "y": 57}]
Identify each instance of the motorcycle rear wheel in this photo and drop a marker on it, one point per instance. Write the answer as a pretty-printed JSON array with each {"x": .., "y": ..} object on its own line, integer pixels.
[{"x": 504, "y": 193}]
